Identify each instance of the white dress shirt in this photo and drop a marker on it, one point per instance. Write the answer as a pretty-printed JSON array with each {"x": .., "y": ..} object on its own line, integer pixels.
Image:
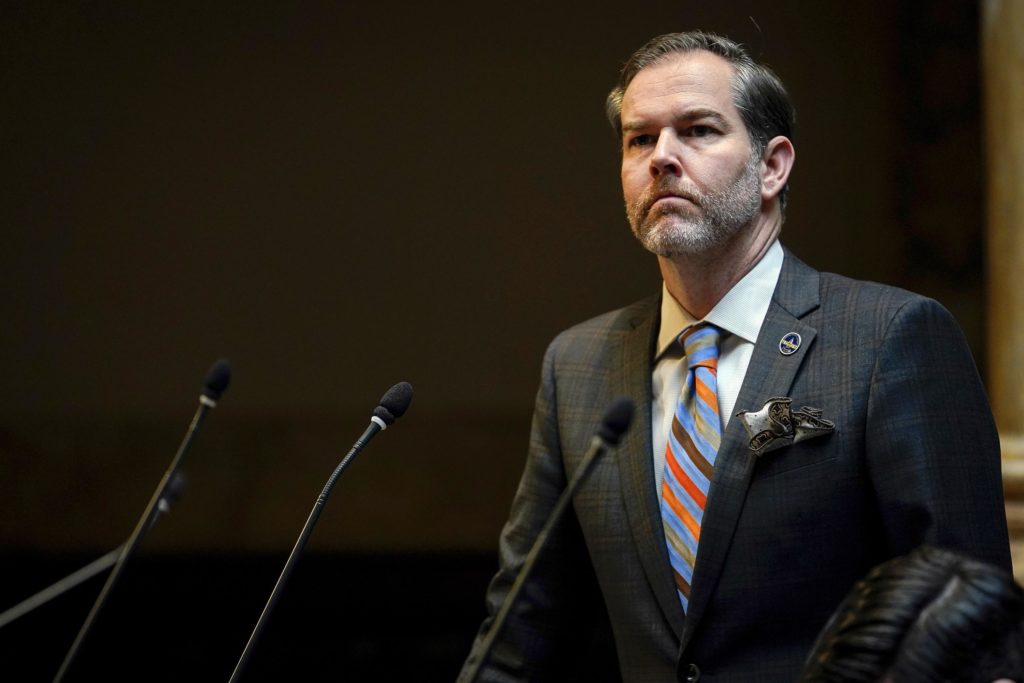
[{"x": 739, "y": 314}]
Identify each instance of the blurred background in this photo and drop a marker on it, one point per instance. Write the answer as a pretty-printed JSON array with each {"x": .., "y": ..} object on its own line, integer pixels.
[{"x": 339, "y": 196}]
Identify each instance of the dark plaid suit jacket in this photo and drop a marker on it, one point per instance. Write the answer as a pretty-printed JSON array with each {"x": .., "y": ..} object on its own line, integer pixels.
[{"x": 914, "y": 459}]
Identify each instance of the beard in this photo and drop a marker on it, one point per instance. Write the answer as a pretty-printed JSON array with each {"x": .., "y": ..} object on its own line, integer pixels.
[{"x": 715, "y": 219}]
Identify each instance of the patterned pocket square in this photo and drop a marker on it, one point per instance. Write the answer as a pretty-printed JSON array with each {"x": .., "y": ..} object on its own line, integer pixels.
[{"x": 777, "y": 425}]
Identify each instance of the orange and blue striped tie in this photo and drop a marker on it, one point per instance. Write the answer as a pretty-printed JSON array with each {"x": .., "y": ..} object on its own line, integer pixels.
[{"x": 690, "y": 454}]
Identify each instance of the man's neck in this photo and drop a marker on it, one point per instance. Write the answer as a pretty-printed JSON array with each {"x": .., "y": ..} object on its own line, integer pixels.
[{"x": 699, "y": 281}]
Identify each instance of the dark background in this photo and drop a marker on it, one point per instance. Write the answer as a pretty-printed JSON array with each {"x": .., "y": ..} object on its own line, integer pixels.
[{"x": 337, "y": 197}]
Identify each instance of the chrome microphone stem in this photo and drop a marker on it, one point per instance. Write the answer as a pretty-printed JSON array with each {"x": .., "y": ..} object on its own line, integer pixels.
[
  {"x": 64, "y": 585},
  {"x": 597, "y": 448},
  {"x": 146, "y": 521},
  {"x": 376, "y": 425}
]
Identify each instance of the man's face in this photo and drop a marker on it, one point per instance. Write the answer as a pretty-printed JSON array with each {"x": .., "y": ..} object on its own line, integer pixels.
[{"x": 689, "y": 178}]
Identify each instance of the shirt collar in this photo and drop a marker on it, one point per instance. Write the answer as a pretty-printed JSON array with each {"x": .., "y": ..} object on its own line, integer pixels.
[{"x": 740, "y": 312}]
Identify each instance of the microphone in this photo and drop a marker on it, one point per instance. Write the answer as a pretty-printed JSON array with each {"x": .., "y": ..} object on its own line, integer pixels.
[
  {"x": 615, "y": 423},
  {"x": 174, "y": 492},
  {"x": 217, "y": 380},
  {"x": 392, "y": 406}
]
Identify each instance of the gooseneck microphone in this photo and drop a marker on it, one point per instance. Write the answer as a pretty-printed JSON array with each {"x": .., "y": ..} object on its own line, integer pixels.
[
  {"x": 614, "y": 424},
  {"x": 217, "y": 380},
  {"x": 392, "y": 406},
  {"x": 174, "y": 491}
]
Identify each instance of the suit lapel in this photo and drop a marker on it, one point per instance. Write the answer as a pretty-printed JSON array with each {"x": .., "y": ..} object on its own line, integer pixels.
[
  {"x": 769, "y": 374},
  {"x": 636, "y": 467}
]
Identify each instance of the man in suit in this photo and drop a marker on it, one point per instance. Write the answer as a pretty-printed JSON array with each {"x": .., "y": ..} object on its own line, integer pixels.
[{"x": 820, "y": 426}]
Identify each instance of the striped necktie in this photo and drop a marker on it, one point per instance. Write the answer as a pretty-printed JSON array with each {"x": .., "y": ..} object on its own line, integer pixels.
[{"x": 690, "y": 454}]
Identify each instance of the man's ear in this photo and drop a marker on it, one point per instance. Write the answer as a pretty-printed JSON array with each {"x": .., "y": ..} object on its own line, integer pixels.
[{"x": 778, "y": 160}]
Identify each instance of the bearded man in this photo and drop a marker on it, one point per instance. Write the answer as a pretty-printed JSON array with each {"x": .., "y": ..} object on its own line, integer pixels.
[{"x": 794, "y": 428}]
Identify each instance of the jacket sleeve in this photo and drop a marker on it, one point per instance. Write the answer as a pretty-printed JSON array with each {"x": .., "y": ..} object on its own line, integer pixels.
[{"x": 931, "y": 442}]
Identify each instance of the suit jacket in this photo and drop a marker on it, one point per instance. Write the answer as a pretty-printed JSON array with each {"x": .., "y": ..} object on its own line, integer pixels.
[{"x": 914, "y": 459}]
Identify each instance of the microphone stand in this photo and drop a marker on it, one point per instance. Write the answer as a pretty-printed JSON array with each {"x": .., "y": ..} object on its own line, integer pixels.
[
  {"x": 88, "y": 571},
  {"x": 64, "y": 585},
  {"x": 392, "y": 405},
  {"x": 217, "y": 380},
  {"x": 615, "y": 423},
  {"x": 376, "y": 425}
]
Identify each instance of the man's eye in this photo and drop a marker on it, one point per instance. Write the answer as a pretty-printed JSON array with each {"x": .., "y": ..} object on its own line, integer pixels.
[
  {"x": 699, "y": 131},
  {"x": 640, "y": 140}
]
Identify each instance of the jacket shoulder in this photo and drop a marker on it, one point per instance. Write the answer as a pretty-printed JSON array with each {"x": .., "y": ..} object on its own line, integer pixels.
[
  {"x": 801, "y": 288},
  {"x": 857, "y": 312},
  {"x": 867, "y": 301}
]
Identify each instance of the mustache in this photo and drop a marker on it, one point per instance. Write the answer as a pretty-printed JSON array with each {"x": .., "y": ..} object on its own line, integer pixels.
[{"x": 668, "y": 186}]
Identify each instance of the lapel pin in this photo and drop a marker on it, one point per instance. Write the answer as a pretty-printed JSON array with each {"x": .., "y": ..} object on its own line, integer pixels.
[
  {"x": 790, "y": 344},
  {"x": 778, "y": 425}
]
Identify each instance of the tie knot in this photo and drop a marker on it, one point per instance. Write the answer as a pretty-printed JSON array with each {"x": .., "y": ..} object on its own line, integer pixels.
[{"x": 700, "y": 343}]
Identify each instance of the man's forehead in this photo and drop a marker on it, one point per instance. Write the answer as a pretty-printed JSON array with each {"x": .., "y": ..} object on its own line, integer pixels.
[{"x": 700, "y": 75}]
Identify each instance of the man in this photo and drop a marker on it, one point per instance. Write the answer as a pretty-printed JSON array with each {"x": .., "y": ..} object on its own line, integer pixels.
[{"x": 793, "y": 428}]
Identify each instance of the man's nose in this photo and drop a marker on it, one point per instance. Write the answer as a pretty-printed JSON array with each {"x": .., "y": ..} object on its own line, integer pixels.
[{"x": 665, "y": 158}]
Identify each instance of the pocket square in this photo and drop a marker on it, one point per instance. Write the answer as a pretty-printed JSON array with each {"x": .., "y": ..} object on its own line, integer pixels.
[{"x": 777, "y": 425}]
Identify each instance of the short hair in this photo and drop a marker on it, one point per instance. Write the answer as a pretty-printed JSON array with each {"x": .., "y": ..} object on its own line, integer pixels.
[
  {"x": 758, "y": 93},
  {"x": 931, "y": 615}
]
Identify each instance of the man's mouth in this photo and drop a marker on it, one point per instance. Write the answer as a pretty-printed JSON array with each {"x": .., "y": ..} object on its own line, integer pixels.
[{"x": 670, "y": 197}]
